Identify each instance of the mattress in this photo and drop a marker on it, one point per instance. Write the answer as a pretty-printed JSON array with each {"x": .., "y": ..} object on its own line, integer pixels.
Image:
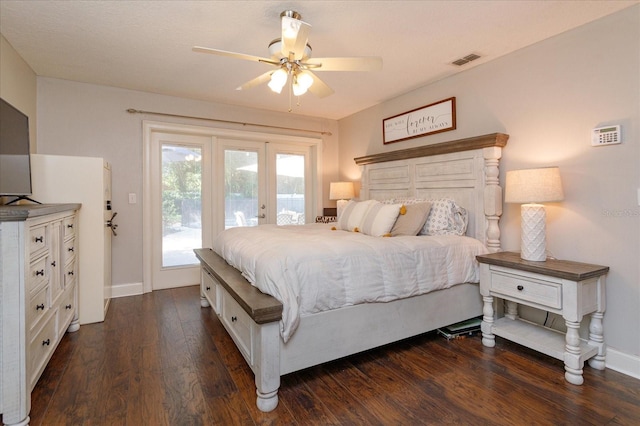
[{"x": 313, "y": 268}]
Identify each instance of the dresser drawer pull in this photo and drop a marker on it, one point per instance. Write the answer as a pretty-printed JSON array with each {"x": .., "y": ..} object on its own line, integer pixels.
[
  {"x": 234, "y": 319},
  {"x": 40, "y": 306},
  {"x": 70, "y": 225},
  {"x": 46, "y": 342},
  {"x": 68, "y": 306},
  {"x": 40, "y": 272},
  {"x": 70, "y": 273},
  {"x": 70, "y": 249},
  {"x": 520, "y": 288},
  {"x": 208, "y": 288},
  {"x": 39, "y": 239},
  {"x": 53, "y": 263}
]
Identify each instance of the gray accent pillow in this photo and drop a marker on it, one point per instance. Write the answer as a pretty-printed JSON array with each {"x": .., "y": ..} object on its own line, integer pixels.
[{"x": 412, "y": 221}]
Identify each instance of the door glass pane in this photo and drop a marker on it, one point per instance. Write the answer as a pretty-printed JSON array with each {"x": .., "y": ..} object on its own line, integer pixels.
[
  {"x": 290, "y": 189},
  {"x": 181, "y": 204},
  {"x": 240, "y": 188}
]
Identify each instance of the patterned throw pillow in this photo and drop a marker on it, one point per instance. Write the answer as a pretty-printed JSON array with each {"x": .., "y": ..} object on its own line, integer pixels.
[{"x": 445, "y": 218}]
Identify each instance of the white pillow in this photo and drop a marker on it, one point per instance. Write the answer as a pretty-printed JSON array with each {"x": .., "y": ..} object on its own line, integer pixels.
[
  {"x": 379, "y": 219},
  {"x": 353, "y": 214}
]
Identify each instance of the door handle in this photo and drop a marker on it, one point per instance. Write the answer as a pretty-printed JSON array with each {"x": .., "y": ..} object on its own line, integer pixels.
[{"x": 112, "y": 225}]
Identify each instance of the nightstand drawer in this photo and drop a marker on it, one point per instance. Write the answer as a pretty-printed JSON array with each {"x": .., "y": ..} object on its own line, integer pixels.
[{"x": 544, "y": 293}]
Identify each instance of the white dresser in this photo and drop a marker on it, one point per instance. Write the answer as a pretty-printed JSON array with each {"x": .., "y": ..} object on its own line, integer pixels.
[{"x": 38, "y": 296}]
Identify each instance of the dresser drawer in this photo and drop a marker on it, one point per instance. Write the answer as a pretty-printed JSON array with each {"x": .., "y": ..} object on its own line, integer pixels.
[
  {"x": 37, "y": 308},
  {"x": 69, "y": 250},
  {"x": 69, "y": 226},
  {"x": 38, "y": 274},
  {"x": 545, "y": 293},
  {"x": 66, "y": 310},
  {"x": 69, "y": 273},
  {"x": 40, "y": 348},
  {"x": 37, "y": 239},
  {"x": 238, "y": 323}
]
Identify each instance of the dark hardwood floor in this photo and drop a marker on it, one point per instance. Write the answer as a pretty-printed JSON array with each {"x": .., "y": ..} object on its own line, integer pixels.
[{"x": 160, "y": 359}]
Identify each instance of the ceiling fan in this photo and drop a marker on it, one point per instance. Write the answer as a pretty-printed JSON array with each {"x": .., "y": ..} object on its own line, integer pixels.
[{"x": 291, "y": 56}]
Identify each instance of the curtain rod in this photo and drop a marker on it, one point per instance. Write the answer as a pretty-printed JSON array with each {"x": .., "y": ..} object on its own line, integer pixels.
[{"x": 137, "y": 111}]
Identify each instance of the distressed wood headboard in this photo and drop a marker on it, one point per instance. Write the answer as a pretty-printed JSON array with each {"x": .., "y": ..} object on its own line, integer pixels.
[{"x": 465, "y": 170}]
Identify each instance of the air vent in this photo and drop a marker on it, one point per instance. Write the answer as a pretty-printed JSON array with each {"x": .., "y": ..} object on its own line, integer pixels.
[{"x": 465, "y": 60}]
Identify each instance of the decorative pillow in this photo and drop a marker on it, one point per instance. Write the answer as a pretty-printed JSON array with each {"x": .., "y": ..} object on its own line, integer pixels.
[
  {"x": 445, "y": 218},
  {"x": 353, "y": 214},
  {"x": 379, "y": 219},
  {"x": 412, "y": 221}
]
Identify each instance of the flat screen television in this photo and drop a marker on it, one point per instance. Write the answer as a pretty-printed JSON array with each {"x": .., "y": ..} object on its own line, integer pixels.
[{"x": 15, "y": 165}]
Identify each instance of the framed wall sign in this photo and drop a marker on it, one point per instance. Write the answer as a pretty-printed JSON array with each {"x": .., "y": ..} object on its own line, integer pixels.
[{"x": 434, "y": 118}]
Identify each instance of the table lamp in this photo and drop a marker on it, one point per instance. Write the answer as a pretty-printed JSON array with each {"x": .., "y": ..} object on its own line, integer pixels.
[
  {"x": 341, "y": 191},
  {"x": 530, "y": 187}
]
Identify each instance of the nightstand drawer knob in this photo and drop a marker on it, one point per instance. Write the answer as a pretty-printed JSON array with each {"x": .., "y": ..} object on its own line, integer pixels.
[{"x": 520, "y": 288}]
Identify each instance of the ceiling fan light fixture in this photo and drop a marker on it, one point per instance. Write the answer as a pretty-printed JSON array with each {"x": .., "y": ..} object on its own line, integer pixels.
[
  {"x": 298, "y": 89},
  {"x": 304, "y": 79},
  {"x": 279, "y": 78}
]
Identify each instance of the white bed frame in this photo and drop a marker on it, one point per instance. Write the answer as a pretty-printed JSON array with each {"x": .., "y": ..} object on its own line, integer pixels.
[{"x": 466, "y": 170}]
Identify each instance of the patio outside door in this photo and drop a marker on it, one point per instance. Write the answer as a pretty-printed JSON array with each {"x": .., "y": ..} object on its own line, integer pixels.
[{"x": 182, "y": 214}]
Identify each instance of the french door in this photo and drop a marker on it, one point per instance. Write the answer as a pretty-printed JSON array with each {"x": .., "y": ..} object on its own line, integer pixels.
[
  {"x": 265, "y": 183},
  {"x": 200, "y": 181},
  {"x": 182, "y": 206}
]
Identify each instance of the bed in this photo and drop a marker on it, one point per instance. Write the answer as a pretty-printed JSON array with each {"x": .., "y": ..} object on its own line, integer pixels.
[{"x": 464, "y": 170}]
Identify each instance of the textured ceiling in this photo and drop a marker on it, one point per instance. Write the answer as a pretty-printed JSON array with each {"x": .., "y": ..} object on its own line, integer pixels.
[{"x": 146, "y": 45}]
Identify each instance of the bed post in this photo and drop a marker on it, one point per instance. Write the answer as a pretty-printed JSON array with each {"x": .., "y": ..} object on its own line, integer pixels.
[
  {"x": 492, "y": 197},
  {"x": 267, "y": 365}
]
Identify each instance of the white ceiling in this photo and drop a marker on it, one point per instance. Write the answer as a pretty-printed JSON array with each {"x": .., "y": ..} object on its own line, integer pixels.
[{"x": 146, "y": 45}]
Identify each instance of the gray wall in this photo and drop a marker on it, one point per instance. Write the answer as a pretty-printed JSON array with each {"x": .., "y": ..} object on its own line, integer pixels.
[
  {"x": 548, "y": 97},
  {"x": 88, "y": 120}
]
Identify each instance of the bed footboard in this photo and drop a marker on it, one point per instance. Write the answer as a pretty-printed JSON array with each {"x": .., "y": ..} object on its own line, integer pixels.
[{"x": 251, "y": 318}]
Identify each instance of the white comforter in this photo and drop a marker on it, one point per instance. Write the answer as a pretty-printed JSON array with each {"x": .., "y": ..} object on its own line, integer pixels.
[{"x": 312, "y": 268}]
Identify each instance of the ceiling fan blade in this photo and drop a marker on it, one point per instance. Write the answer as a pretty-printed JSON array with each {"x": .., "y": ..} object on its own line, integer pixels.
[
  {"x": 263, "y": 78},
  {"x": 366, "y": 63},
  {"x": 295, "y": 34},
  {"x": 319, "y": 87},
  {"x": 233, "y": 54}
]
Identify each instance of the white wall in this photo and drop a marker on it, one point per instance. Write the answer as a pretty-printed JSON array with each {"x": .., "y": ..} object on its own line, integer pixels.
[
  {"x": 18, "y": 85},
  {"x": 547, "y": 98},
  {"x": 89, "y": 120}
]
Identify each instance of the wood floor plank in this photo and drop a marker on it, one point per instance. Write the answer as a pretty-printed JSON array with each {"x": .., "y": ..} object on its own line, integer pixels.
[{"x": 160, "y": 359}]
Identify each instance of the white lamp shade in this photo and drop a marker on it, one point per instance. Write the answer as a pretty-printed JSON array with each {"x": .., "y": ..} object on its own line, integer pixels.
[
  {"x": 533, "y": 186},
  {"x": 341, "y": 191}
]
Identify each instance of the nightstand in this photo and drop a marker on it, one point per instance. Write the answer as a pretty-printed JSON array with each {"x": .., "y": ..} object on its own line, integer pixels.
[{"x": 566, "y": 288}]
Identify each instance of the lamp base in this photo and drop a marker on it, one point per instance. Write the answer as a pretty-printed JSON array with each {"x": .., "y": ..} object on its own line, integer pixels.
[
  {"x": 340, "y": 205},
  {"x": 533, "y": 238}
]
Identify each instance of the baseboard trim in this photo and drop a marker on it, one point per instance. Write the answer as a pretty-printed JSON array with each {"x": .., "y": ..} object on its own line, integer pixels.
[
  {"x": 623, "y": 363},
  {"x": 125, "y": 290}
]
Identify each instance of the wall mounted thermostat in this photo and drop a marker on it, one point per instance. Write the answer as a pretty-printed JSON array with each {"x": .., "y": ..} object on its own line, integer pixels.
[{"x": 609, "y": 135}]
